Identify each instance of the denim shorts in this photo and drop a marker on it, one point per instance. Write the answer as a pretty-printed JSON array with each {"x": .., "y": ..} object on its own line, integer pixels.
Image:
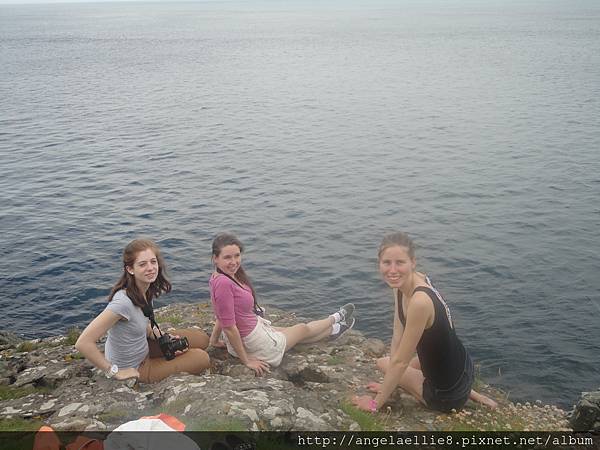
[{"x": 455, "y": 397}]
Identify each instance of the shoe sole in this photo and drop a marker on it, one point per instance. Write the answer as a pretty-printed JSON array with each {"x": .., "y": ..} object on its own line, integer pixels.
[{"x": 351, "y": 309}]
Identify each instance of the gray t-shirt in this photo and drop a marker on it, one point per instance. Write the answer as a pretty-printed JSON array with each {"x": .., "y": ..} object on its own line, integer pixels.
[{"x": 126, "y": 345}]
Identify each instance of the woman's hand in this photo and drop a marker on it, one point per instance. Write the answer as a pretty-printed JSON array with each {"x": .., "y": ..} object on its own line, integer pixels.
[
  {"x": 259, "y": 367},
  {"x": 218, "y": 344},
  {"x": 363, "y": 402},
  {"x": 374, "y": 387},
  {"x": 178, "y": 352},
  {"x": 124, "y": 374}
]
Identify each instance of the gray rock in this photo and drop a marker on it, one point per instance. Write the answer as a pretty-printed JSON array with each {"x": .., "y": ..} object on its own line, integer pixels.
[
  {"x": 30, "y": 375},
  {"x": 305, "y": 393},
  {"x": 9, "y": 339},
  {"x": 69, "y": 409},
  {"x": 586, "y": 415},
  {"x": 374, "y": 348}
]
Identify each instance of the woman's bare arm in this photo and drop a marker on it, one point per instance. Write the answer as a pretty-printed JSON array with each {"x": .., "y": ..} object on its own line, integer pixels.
[{"x": 86, "y": 344}]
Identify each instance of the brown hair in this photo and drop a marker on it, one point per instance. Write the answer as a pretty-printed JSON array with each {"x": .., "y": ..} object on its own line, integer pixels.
[
  {"x": 127, "y": 281},
  {"x": 223, "y": 240},
  {"x": 397, "y": 239}
]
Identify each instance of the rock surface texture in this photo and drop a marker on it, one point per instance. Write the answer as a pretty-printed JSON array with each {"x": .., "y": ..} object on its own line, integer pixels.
[
  {"x": 586, "y": 414},
  {"x": 48, "y": 381}
]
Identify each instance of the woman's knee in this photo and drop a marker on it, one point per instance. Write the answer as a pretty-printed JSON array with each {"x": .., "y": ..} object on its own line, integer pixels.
[
  {"x": 196, "y": 337},
  {"x": 412, "y": 382},
  {"x": 415, "y": 363},
  {"x": 295, "y": 334},
  {"x": 304, "y": 328},
  {"x": 196, "y": 361},
  {"x": 299, "y": 331}
]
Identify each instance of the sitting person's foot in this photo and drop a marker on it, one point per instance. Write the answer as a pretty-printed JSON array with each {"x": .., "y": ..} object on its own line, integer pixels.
[
  {"x": 344, "y": 313},
  {"x": 374, "y": 387},
  {"x": 343, "y": 327}
]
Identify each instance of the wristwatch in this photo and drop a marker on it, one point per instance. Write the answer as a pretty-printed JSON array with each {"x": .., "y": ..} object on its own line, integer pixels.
[{"x": 112, "y": 371}]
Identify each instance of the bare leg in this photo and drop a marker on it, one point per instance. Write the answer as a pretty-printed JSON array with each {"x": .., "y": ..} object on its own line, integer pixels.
[
  {"x": 306, "y": 332},
  {"x": 317, "y": 338},
  {"x": 411, "y": 381},
  {"x": 415, "y": 363},
  {"x": 383, "y": 364}
]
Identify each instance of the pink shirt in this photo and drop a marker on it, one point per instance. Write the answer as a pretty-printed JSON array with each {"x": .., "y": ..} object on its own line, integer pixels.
[{"x": 233, "y": 305}]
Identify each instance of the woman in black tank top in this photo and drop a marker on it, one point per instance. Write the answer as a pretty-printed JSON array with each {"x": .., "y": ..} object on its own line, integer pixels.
[{"x": 441, "y": 375}]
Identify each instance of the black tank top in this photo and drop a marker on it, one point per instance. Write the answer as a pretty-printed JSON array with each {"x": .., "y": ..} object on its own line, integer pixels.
[{"x": 441, "y": 353}]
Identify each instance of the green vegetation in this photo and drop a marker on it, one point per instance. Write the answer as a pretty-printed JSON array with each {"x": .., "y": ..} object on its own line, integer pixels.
[
  {"x": 72, "y": 336},
  {"x": 27, "y": 346},
  {"x": 334, "y": 360},
  {"x": 114, "y": 416},
  {"x": 233, "y": 425},
  {"x": 174, "y": 407},
  {"x": 70, "y": 339},
  {"x": 366, "y": 420},
  {"x": 19, "y": 425},
  {"x": 72, "y": 356},
  {"x": 8, "y": 392},
  {"x": 16, "y": 434},
  {"x": 173, "y": 320}
]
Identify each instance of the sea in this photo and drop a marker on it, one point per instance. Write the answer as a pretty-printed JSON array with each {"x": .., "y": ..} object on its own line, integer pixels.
[{"x": 311, "y": 129}]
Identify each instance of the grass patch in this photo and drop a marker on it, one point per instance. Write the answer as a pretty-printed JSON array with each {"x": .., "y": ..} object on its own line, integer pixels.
[
  {"x": 366, "y": 420},
  {"x": 27, "y": 346},
  {"x": 8, "y": 392},
  {"x": 17, "y": 434},
  {"x": 19, "y": 425},
  {"x": 175, "y": 407},
  {"x": 173, "y": 320},
  {"x": 232, "y": 425},
  {"x": 114, "y": 416},
  {"x": 334, "y": 360},
  {"x": 74, "y": 356},
  {"x": 72, "y": 335}
]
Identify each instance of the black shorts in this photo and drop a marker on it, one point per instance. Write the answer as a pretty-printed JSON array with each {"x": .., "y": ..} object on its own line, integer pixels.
[{"x": 455, "y": 397}]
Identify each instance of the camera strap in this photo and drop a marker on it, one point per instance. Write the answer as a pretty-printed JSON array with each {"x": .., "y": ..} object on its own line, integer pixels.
[
  {"x": 148, "y": 310},
  {"x": 258, "y": 310}
]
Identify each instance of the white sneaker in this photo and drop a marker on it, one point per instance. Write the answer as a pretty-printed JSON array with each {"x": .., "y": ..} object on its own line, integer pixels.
[
  {"x": 346, "y": 312},
  {"x": 343, "y": 328}
]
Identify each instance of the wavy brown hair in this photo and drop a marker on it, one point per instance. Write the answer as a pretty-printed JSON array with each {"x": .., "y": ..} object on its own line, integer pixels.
[
  {"x": 127, "y": 281},
  {"x": 223, "y": 240}
]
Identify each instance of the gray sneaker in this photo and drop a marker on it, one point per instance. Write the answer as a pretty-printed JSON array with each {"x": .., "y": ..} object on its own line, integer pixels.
[
  {"x": 343, "y": 328},
  {"x": 346, "y": 312}
]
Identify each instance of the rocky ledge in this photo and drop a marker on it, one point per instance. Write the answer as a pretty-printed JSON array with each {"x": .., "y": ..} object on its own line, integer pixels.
[{"x": 47, "y": 381}]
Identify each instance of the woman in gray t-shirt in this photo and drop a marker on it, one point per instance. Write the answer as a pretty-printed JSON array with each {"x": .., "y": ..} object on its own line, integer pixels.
[{"x": 131, "y": 350}]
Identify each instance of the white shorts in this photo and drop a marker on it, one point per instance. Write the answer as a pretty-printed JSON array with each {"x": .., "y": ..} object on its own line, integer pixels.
[{"x": 264, "y": 343}]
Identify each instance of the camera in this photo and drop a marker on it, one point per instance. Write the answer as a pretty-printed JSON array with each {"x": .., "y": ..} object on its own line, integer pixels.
[{"x": 168, "y": 345}]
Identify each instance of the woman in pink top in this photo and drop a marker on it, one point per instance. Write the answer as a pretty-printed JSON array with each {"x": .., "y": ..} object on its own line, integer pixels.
[{"x": 239, "y": 318}]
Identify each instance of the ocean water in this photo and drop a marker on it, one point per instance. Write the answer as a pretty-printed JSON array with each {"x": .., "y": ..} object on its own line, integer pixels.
[{"x": 310, "y": 129}]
